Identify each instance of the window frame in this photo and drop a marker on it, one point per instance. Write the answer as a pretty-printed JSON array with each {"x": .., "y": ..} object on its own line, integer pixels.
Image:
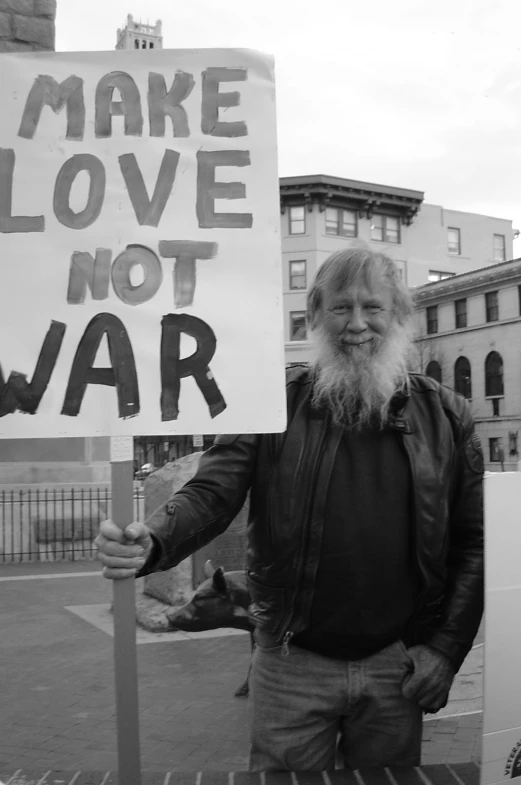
[
  {"x": 454, "y": 229},
  {"x": 489, "y": 377},
  {"x": 494, "y": 446},
  {"x": 302, "y": 220},
  {"x": 442, "y": 276},
  {"x": 385, "y": 236},
  {"x": 491, "y": 308},
  {"x": 440, "y": 369},
  {"x": 429, "y": 321},
  {"x": 340, "y": 222},
  {"x": 292, "y": 314},
  {"x": 292, "y": 275},
  {"x": 457, "y": 315},
  {"x": 503, "y": 249},
  {"x": 466, "y": 390}
]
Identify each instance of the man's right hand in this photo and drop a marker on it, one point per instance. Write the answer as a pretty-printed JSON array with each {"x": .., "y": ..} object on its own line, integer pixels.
[{"x": 122, "y": 551}]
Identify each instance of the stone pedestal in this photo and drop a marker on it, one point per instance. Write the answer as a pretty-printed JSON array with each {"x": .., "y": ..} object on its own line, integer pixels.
[{"x": 174, "y": 586}]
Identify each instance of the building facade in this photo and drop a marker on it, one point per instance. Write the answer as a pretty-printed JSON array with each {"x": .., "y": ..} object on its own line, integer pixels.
[
  {"x": 136, "y": 35},
  {"x": 468, "y": 336},
  {"x": 321, "y": 214}
]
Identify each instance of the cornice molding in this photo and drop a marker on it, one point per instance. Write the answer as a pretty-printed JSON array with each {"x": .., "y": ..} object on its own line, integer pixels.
[
  {"x": 365, "y": 198},
  {"x": 486, "y": 277}
]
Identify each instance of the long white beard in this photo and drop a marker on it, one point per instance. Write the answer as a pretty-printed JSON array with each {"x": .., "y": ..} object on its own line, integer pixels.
[{"x": 357, "y": 384}]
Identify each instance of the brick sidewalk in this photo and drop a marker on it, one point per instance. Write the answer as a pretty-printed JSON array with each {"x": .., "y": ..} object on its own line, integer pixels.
[
  {"x": 441, "y": 774},
  {"x": 58, "y": 711}
]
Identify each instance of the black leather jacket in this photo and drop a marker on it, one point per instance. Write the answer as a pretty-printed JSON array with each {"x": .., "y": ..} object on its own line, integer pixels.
[{"x": 289, "y": 475}]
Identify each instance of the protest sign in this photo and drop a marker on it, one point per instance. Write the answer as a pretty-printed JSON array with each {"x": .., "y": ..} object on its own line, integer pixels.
[
  {"x": 140, "y": 244},
  {"x": 501, "y": 754},
  {"x": 141, "y": 277}
]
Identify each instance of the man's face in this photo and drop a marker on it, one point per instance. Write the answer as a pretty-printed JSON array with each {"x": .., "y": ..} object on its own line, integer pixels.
[{"x": 357, "y": 318}]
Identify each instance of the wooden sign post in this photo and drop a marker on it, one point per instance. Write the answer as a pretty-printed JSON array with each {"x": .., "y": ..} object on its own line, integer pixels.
[{"x": 125, "y": 655}]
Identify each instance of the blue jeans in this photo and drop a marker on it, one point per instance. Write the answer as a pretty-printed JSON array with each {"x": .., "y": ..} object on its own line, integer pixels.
[{"x": 302, "y": 705}]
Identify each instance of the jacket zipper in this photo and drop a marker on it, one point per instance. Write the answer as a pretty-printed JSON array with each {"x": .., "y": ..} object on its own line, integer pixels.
[
  {"x": 416, "y": 546},
  {"x": 288, "y": 635},
  {"x": 285, "y": 644}
]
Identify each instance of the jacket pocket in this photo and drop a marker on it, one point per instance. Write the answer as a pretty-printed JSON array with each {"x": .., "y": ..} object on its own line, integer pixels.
[{"x": 267, "y": 604}]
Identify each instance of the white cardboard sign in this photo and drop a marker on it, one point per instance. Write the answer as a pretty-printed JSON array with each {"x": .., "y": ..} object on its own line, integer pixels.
[
  {"x": 140, "y": 244},
  {"x": 501, "y": 753}
]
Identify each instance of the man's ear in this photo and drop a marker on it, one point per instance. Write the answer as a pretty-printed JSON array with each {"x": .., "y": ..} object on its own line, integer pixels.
[
  {"x": 209, "y": 569},
  {"x": 314, "y": 308},
  {"x": 219, "y": 581}
]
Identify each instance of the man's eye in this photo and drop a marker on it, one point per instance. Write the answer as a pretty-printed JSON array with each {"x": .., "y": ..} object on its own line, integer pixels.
[
  {"x": 375, "y": 308},
  {"x": 340, "y": 309}
]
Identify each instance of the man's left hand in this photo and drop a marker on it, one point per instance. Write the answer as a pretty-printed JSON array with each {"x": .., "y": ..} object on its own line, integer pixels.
[{"x": 430, "y": 682}]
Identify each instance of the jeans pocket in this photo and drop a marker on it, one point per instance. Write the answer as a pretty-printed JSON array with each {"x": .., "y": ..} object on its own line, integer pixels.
[
  {"x": 265, "y": 643},
  {"x": 405, "y": 654}
]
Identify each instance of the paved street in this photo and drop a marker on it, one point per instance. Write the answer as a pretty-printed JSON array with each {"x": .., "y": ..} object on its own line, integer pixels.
[{"x": 58, "y": 710}]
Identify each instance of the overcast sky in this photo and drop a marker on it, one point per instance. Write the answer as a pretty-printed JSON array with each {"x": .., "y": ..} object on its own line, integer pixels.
[{"x": 422, "y": 94}]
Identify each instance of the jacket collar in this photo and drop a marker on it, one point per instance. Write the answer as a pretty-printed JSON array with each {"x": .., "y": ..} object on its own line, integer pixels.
[{"x": 400, "y": 399}]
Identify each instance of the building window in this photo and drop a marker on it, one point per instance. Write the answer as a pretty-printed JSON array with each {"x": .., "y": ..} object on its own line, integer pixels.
[
  {"x": 493, "y": 374},
  {"x": 460, "y": 312},
  {"x": 385, "y": 229},
  {"x": 432, "y": 319},
  {"x": 402, "y": 270},
  {"x": 495, "y": 450},
  {"x": 297, "y": 274},
  {"x": 454, "y": 242},
  {"x": 434, "y": 370},
  {"x": 499, "y": 248},
  {"x": 151, "y": 45},
  {"x": 491, "y": 306},
  {"x": 297, "y": 325},
  {"x": 462, "y": 377},
  {"x": 437, "y": 275},
  {"x": 341, "y": 222},
  {"x": 495, "y": 407},
  {"x": 144, "y": 45},
  {"x": 297, "y": 220},
  {"x": 136, "y": 43},
  {"x": 519, "y": 298},
  {"x": 512, "y": 443}
]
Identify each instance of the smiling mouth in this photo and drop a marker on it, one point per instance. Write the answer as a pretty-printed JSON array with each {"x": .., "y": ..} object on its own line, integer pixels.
[{"x": 352, "y": 343}]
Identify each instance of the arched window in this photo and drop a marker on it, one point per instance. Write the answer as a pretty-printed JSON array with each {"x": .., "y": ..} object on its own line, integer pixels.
[
  {"x": 494, "y": 374},
  {"x": 462, "y": 377},
  {"x": 434, "y": 370},
  {"x": 136, "y": 43}
]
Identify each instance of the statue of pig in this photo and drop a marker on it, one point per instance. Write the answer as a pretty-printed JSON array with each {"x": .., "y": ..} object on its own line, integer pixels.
[{"x": 222, "y": 600}]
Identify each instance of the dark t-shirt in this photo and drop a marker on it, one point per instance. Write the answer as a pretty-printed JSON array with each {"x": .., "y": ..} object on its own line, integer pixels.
[{"x": 366, "y": 580}]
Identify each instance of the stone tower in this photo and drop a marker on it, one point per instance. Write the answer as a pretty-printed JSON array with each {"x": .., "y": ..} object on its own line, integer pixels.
[{"x": 136, "y": 35}]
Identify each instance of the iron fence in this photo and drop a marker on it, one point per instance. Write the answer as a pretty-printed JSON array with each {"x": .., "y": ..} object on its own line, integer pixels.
[{"x": 55, "y": 524}]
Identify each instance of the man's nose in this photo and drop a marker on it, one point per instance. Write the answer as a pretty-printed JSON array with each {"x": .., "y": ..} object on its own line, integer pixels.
[{"x": 356, "y": 322}]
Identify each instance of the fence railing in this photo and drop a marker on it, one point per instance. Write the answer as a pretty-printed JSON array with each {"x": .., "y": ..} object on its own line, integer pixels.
[{"x": 55, "y": 524}]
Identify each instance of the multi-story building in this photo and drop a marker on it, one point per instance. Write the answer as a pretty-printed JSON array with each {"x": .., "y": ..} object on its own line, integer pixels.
[
  {"x": 468, "y": 336},
  {"x": 321, "y": 214},
  {"x": 136, "y": 35}
]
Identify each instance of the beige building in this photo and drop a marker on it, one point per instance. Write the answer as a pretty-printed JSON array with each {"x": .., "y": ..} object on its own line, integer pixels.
[
  {"x": 321, "y": 214},
  {"x": 468, "y": 333}
]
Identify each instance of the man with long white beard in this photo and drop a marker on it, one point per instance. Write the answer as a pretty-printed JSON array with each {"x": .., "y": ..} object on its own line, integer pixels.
[{"x": 365, "y": 538}]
